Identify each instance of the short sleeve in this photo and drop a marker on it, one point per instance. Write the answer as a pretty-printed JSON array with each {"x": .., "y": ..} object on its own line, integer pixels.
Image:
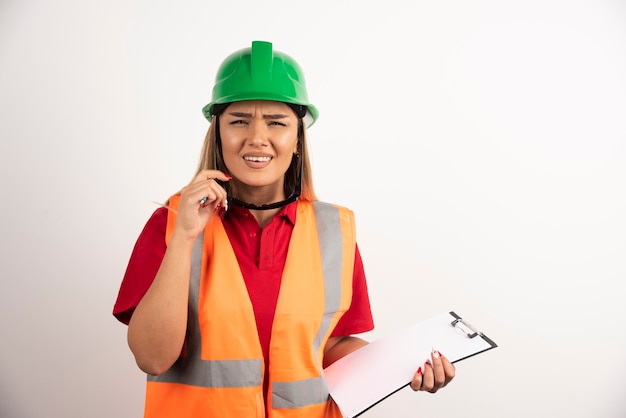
[
  {"x": 358, "y": 318},
  {"x": 143, "y": 265}
]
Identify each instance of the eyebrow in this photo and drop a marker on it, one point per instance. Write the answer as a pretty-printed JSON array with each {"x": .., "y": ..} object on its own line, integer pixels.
[{"x": 265, "y": 116}]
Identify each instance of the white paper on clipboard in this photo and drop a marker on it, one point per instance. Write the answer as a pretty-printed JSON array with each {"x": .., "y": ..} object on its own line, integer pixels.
[{"x": 372, "y": 373}]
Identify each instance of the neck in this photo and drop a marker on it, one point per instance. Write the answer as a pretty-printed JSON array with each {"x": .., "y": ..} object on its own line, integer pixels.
[{"x": 263, "y": 217}]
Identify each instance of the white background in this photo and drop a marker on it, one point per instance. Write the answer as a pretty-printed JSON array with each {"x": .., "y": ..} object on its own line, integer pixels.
[{"x": 481, "y": 144}]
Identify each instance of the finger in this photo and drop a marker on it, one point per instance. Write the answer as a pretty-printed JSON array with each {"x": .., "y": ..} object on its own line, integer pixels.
[
  {"x": 197, "y": 196},
  {"x": 439, "y": 375},
  {"x": 428, "y": 379},
  {"x": 416, "y": 383},
  {"x": 206, "y": 191},
  {"x": 448, "y": 369},
  {"x": 206, "y": 195},
  {"x": 213, "y": 197},
  {"x": 213, "y": 175},
  {"x": 221, "y": 197},
  {"x": 204, "y": 202},
  {"x": 216, "y": 193}
]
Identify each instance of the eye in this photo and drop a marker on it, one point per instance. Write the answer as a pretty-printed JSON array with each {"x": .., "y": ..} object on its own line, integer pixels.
[
  {"x": 238, "y": 122},
  {"x": 276, "y": 123}
]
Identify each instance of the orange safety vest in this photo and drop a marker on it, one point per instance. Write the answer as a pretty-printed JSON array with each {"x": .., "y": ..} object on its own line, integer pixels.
[{"x": 221, "y": 370}]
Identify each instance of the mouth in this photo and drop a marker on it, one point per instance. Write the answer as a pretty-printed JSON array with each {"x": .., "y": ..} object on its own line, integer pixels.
[{"x": 257, "y": 159}]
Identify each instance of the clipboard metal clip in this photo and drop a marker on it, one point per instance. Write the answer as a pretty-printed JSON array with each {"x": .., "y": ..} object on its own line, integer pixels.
[{"x": 465, "y": 327}]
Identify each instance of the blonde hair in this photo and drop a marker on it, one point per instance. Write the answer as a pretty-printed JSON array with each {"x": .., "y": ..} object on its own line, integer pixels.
[{"x": 210, "y": 151}]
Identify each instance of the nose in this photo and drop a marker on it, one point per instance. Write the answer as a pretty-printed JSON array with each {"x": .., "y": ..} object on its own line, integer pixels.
[{"x": 258, "y": 133}]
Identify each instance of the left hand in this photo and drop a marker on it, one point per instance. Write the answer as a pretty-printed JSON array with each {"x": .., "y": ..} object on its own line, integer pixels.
[{"x": 434, "y": 374}]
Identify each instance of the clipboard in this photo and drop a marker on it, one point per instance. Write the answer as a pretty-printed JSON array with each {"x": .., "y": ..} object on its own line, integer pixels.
[{"x": 376, "y": 371}]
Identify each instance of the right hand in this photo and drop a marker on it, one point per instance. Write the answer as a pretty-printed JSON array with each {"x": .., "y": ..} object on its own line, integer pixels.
[{"x": 193, "y": 216}]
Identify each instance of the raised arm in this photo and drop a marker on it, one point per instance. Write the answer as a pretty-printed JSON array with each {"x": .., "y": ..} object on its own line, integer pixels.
[{"x": 156, "y": 331}]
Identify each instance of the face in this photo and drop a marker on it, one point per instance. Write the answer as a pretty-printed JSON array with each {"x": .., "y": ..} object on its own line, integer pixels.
[{"x": 259, "y": 139}]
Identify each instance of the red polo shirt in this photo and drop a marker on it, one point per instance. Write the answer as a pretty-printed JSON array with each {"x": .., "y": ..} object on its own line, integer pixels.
[{"x": 261, "y": 254}]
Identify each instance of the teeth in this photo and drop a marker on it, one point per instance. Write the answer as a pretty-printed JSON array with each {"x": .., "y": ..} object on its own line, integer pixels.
[{"x": 259, "y": 159}]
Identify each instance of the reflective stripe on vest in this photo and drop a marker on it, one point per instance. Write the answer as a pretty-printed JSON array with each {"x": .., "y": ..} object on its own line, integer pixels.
[
  {"x": 314, "y": 391},
  {"x": 333, "y": 226},
  {"x": 191, "y": 369}
]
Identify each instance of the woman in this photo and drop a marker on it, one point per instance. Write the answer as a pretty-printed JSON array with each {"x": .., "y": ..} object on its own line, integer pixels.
[{"x": 244, "y": 286}]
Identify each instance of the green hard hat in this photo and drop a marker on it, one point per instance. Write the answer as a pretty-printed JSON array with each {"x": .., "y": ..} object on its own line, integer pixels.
[{"x": 259, "y": 73}]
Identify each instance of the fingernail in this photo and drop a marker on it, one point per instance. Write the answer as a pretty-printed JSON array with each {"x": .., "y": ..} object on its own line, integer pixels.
[
  {"x": 419, "y": 370},
  {"x": 428, "y": 362},
  {"x": 436, "y": 354},
  {"x": 225, "y": 205},
  {"x": 228, "y": 176}
]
